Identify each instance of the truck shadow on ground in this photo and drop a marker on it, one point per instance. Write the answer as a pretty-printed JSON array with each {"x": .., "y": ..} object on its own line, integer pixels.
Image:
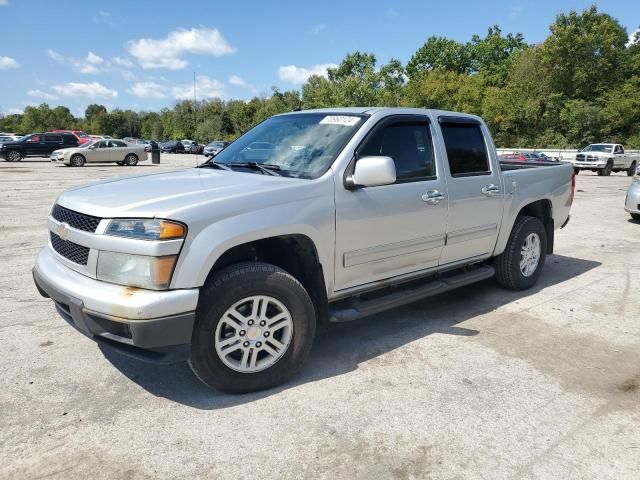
[{"x": 344, "y": 346}]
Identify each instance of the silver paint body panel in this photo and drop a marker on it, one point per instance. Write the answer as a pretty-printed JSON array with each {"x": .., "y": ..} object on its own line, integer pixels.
[{"x": 364, "y": 238}]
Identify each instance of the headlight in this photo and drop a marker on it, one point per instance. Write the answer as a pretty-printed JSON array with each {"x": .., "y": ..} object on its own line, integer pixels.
[
  {"x": 136, "y": 270},
  {"x": 146, "y": 229}
]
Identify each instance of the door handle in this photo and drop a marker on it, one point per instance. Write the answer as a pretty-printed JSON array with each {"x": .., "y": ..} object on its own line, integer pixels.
[
  {"x": 490, "y": 190},
  {"x": 433, "y": 197}
]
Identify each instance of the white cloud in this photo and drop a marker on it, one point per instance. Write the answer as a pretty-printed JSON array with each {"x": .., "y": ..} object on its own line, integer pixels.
[
  {"x": 166, "y": 52},
  {"x": 79, "y": 89},
  {"x": 42, "y": 94},
  {"x": 391, "y": 13},
  {"x": 7, "y": 63},
  {"x": 634, "y": 37},
  {"x": 205, "y": 88},
  {"x": 147, "y": 90},
  {"x": 104, "y": 17},
  {"x": 4, "y": 2},
  {"x": 123, "y": 62},
  {"x": 514, "y": 11},
  {"x": 94, "y": 59},
  {"x": 298, "y": 75},
  {"x": 319, "y": 28},
  {"x": 238, "y": 81}
]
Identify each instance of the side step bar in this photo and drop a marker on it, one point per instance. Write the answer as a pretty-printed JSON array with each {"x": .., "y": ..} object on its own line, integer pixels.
[{"x": 362, "y": 308}]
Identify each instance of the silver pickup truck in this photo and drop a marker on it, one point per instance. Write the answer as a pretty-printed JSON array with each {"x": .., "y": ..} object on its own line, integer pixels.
[{"x": 339, "y": 214}]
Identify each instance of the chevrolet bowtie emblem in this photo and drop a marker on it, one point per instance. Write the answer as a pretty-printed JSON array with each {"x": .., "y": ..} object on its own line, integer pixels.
[{"x": 63, "y": 231}]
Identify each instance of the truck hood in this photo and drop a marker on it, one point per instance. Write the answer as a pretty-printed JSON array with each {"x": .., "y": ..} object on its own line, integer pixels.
[{"x": 180, "y": 194}]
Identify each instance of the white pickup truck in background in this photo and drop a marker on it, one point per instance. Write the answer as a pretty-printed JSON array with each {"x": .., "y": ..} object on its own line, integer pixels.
[{"x": 605, "y": 158}]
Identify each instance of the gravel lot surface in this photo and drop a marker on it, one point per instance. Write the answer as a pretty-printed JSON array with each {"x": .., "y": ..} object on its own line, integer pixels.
[{"x": 477, "y": 383}]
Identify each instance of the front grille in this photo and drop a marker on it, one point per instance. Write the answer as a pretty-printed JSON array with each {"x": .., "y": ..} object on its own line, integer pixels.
[
  {"x": 69, "y": 250},
  {"x": 76, "y": 220}
]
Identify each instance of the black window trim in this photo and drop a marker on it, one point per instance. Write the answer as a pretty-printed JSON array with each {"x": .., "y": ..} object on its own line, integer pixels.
[
  {"x": 444, "y": 120},
  {"x": 383, "y": 123}
]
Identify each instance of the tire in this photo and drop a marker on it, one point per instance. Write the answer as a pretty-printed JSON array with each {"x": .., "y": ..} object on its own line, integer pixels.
[
  {"x": 131, "y": 160},
  {"x": 635, "y": 216},
  {"x": 77, "y": 160},
  {"x": 606, "y": 171},
  {"x": 576, "y": 171},
  {"x": 13, "y": 156},
  {"x": 509, "y": 271},
  {"x": 229, "y": 291},
  {"x": 631, "y": 171}
]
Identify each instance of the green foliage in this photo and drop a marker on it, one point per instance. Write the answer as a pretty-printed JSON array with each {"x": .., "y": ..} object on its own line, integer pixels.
[{"x": 582, "y": 84}]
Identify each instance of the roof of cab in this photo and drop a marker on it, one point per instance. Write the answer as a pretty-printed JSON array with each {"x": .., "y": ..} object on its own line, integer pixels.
[{"x": 386, "y": 110}]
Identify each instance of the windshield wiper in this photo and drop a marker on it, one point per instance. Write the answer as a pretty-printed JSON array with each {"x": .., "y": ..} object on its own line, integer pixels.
[
  {"x": 213, "y": 164},
  {"x": 265, "y": 168}
]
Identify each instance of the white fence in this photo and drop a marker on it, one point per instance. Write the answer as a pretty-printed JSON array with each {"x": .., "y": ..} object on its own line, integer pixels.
[{"x": 562, "y": 154}]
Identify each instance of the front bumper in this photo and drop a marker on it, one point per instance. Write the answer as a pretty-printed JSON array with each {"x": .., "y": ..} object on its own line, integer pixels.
[
  {"x": 154, "y": 326},
  {"x": 588, "y": 164},
  {"x": 632, "y": 200}
]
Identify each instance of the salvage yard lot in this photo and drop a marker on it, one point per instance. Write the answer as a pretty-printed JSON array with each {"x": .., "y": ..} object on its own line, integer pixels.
[{"x": 478, "y": 383}]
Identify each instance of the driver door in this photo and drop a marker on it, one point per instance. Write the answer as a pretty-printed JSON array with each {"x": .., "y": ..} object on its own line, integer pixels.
[{"x": 391, "y": 230}]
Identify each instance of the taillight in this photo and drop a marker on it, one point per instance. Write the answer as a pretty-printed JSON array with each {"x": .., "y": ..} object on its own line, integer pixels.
[{"x": 573, "y": 189}]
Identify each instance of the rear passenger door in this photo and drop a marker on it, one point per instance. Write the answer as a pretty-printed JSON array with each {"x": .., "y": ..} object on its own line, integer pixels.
[
  {"x": 117, "y": 151},
  {"x": 52, "y": 142},
  {"x": 390, "y": 230},
  {"x": 475, "y": 190}
]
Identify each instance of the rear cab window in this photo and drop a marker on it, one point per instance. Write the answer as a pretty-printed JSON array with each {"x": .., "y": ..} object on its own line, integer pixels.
[{"x": 466, "y": 148}]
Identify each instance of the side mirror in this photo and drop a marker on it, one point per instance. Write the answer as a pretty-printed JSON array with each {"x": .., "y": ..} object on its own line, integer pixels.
[{"x": 373, "y": 172}]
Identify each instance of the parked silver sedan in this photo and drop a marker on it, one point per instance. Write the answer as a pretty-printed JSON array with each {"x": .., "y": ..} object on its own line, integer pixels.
[
  {"x": 101, "y": 151},
  {"x": 632, "y": 201}
]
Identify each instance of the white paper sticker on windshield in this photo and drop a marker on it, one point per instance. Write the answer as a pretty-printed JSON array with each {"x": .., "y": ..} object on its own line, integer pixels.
[{"x": 345, "y": 120}]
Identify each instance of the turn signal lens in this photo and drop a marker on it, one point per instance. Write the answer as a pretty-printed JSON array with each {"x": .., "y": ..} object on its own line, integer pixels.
[{"x": 169, "y": 230}]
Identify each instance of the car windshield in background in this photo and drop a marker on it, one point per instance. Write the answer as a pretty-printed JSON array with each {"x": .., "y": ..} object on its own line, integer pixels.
[
  {"x": 301, "y": 145},
  {"x": 598, "y": 148},
  {"x": 83, "y": 135},
  {"x": 88, "y": 144}
]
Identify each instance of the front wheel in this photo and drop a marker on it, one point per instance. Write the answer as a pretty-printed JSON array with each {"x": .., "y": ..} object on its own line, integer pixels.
[
  {"x": 77, "y": 161},
  {"x": 255, "y": 325},
  {"x": 520, "y": 265},
  {"x": 576, "y": 171},
  {"x": 632, "y": 169},
  {"x": 635, "y": 216},
  {"x": 606, "y": 171},
  {"x": 13, "y": 156}
]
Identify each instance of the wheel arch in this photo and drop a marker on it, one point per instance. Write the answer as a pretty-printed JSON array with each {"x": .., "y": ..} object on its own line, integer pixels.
[
  {"x": 295, "y": 253},
  {"x": 543, "y": 211}
]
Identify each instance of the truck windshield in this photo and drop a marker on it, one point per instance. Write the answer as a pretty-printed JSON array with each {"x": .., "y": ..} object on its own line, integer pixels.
[
  {"x": 301, "y": 145},
  {"x": 598, "y": 148}
]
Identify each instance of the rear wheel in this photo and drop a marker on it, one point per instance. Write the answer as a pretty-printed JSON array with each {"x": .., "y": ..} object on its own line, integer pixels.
[
  {"x": 520, "y": 265},
  {"x": 131, "y": 160},
  {"x": 632, "y": 169},
  {"x": 635, "y": 216},
  {"x": 255, "y": 325},
  {"x": 77, "y": 160}
]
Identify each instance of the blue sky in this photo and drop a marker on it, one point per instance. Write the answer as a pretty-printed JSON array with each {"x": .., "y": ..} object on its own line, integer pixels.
[{"x": 141, "y": 54}]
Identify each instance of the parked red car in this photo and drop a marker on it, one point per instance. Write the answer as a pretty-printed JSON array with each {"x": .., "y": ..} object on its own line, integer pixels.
[{"x": 82, "y": 137}]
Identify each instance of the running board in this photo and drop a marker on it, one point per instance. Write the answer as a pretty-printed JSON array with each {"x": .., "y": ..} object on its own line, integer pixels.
[{"x": 357, "y": 309}]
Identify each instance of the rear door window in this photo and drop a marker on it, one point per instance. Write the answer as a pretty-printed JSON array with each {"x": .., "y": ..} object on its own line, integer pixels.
[
  {"x": 53, "y": 138},
  {"x": 118, "y": 143},
  {"x": 466, "y": 150}
]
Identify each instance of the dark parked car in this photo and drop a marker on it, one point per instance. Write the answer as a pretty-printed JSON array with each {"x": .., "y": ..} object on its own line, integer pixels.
[
  {"x": 37, "y": 145},
  {"x": 196, "y": 148},
  {"x": 213, "y": 148},
  {"x": 172, "y": 147}
]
